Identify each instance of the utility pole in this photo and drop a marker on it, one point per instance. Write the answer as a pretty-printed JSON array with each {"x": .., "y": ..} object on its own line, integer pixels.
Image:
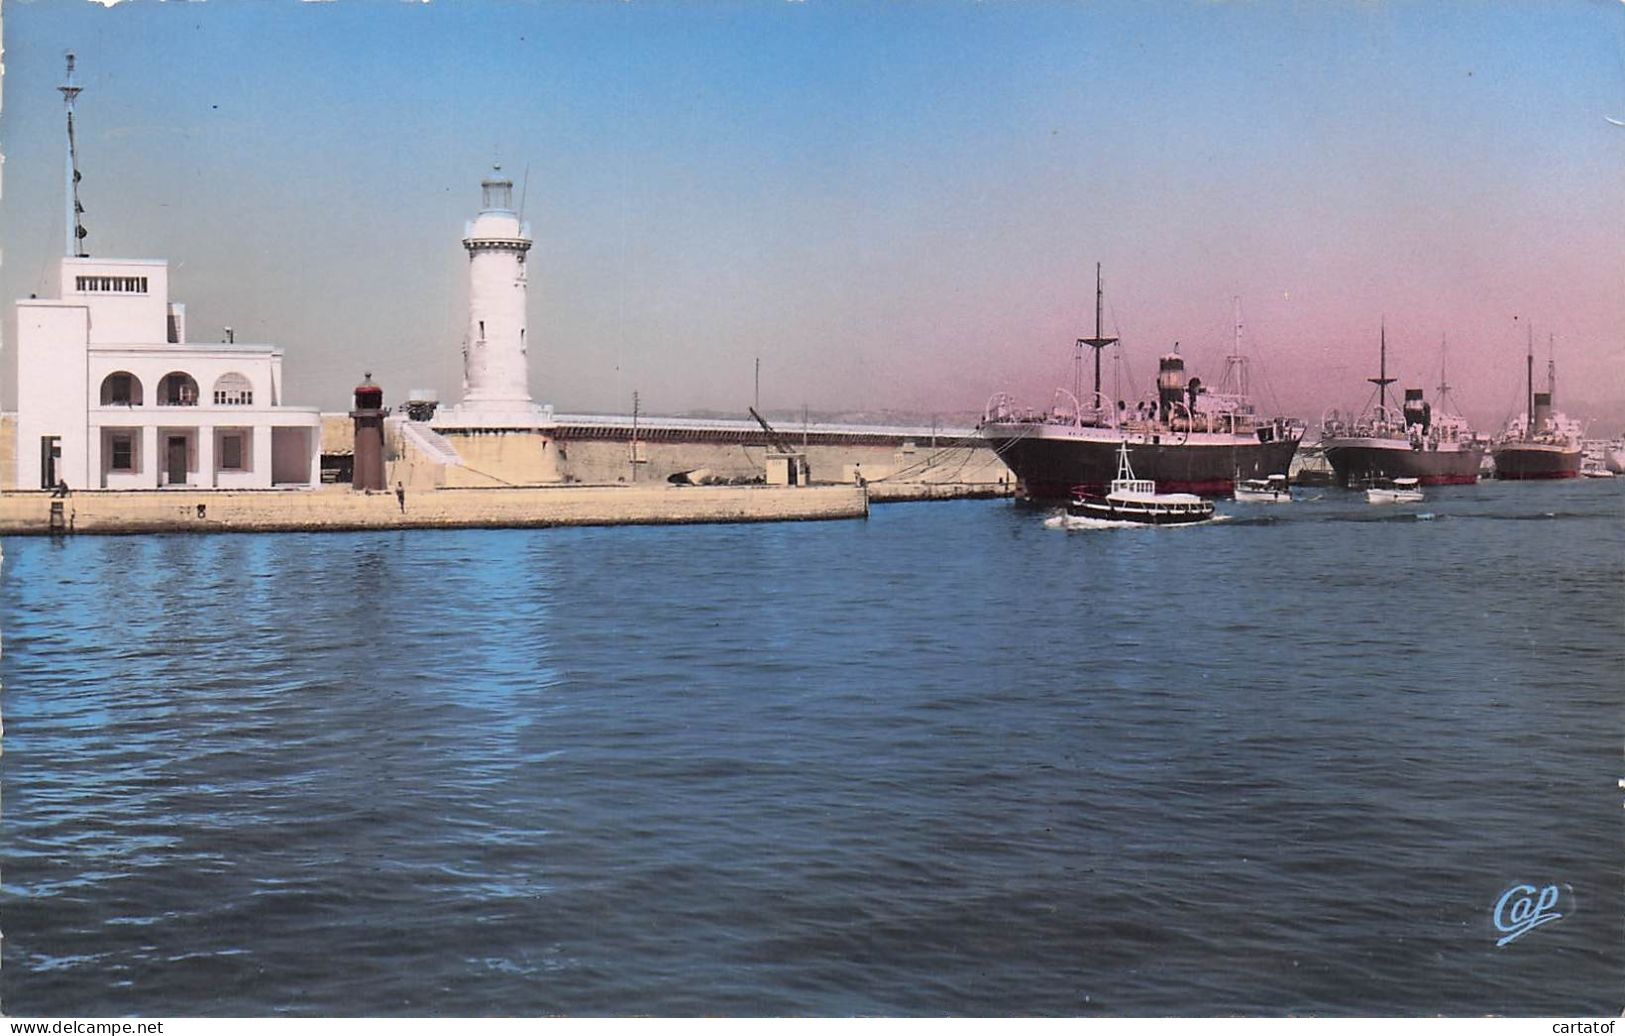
[
  {"x": 757, "y": 398},
  {"x": 634, "y": 457}
]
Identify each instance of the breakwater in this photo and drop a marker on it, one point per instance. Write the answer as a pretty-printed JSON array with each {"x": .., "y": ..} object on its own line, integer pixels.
[{"x": 139, "y": 511}]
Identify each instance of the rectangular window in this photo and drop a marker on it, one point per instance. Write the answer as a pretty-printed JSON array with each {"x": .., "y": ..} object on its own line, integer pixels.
[
  {"x": 126, "y": 285},
  {"x": 231, "y": 452},
  {"x": 123, "y": 453}
]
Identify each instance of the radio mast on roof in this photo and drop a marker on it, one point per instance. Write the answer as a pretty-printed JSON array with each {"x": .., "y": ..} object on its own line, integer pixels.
[{"x": 75, "y": 227}]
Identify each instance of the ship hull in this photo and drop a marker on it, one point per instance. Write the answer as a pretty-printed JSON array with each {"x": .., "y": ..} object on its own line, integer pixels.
[
  {"x": 1055, "y": 462},
  {"x": 1356, "y": 461},
  {"x": 1535, "y": 460}
]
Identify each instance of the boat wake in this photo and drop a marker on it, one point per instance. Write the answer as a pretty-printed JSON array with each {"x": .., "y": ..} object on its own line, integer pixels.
[{"x": 1391, "y": 517}]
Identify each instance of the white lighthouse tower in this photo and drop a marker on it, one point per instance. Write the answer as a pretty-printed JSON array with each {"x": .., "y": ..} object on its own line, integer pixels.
[{"x": 496, "y": 367}]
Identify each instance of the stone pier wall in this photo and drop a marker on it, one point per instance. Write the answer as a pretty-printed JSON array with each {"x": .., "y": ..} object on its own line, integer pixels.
[
  {"x": 531, "y": 458},
  {"x": 335, "y": 508},
  {"x": 604, "y": 461}
]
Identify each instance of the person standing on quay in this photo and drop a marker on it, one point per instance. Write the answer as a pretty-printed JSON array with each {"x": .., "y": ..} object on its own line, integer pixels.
[{"x": 400, "y": 496}]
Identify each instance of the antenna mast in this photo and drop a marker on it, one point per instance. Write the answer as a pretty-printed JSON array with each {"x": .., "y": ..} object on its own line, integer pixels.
[
  {"x": 74, "y": 227},
  {"x": 1097, "y": 343}
]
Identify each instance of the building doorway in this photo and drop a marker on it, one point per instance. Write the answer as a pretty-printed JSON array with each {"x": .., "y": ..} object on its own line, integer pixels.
[
  {"x": 50, "y": 451},
  {"x": 175, "y": 460}
]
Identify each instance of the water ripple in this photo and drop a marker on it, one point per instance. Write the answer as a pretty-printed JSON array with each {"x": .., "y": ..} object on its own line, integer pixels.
[{"x": 939, "y": 762}]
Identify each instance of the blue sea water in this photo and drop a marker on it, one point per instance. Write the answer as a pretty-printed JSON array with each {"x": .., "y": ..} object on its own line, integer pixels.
[{"x": 942, "y": 761}]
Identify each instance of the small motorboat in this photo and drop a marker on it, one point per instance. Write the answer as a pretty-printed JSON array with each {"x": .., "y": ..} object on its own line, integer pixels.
[
  {"x": 1595, "y": 467},
  {"x": 1136, "y": 501},
  {"x": 1394, "y": 491},
  {"x": 1271, "y": 490}
]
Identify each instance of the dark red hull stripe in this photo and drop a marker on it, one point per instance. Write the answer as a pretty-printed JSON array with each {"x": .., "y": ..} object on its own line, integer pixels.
[{"x": 1525, "y": 476}]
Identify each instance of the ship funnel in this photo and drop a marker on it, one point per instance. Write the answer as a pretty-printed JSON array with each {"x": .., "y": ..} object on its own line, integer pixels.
[
  {"x": 1417, "y": 411},
  {"x": 1543, "y": 413},
  {"x": 1170, "y": 382}
]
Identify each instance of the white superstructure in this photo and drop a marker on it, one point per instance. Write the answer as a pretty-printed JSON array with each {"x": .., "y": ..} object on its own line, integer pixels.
[{"x": 496, "y": 363}]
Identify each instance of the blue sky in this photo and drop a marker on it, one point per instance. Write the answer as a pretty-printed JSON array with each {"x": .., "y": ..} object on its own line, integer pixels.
[{"x": 892, "y": 204}]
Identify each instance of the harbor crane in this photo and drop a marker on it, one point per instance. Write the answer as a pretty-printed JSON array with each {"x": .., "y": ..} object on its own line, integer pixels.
[{"x": 789, "y": 467}]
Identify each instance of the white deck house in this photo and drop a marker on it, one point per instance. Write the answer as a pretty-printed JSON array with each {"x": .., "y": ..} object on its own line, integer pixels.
[{"x": 111, "y": 395}]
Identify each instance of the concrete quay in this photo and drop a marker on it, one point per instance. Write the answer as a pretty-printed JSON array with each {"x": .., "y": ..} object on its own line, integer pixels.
[
  {"x": 340, "y": 509},
  {"x": 900, "y": 492}
]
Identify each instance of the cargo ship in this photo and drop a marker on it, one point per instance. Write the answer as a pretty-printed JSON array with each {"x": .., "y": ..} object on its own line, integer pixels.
[
  {"x": 1186, "y": 439},
  {"x": 1417, "y": 440},
  {"x": 1540, "y": 443}
]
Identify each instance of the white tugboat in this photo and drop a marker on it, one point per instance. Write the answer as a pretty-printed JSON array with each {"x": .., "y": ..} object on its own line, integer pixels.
[{"x": 1136, "y": 501}]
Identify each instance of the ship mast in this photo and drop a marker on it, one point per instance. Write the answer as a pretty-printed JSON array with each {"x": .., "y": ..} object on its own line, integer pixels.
[
  {"x": 1551, "y": 368},
  {"x": 75, "y": 228},
  {"x": 1382, "y": 380},
  {"x": 1444, "y": 355},
  {"x": 1445, "y": 402},
  {"x": 1235, "y": 365},
  {"x": 1097, "y": 343},
  {"x": 1529, "y": 415}
]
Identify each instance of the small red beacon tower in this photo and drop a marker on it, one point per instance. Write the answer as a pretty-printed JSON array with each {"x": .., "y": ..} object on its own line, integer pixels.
[{"x": 368, "y": 416}]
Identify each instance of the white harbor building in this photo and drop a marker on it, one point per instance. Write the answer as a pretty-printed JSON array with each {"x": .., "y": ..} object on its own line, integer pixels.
[{"x": 111, "y": 395}]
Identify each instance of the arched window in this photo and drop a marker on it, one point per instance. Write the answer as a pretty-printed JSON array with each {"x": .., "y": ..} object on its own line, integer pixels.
[
  {"x": 177, "y": 388},
  {"x": 233, "y": 390},
  {"x": 121, "y": 388}
]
